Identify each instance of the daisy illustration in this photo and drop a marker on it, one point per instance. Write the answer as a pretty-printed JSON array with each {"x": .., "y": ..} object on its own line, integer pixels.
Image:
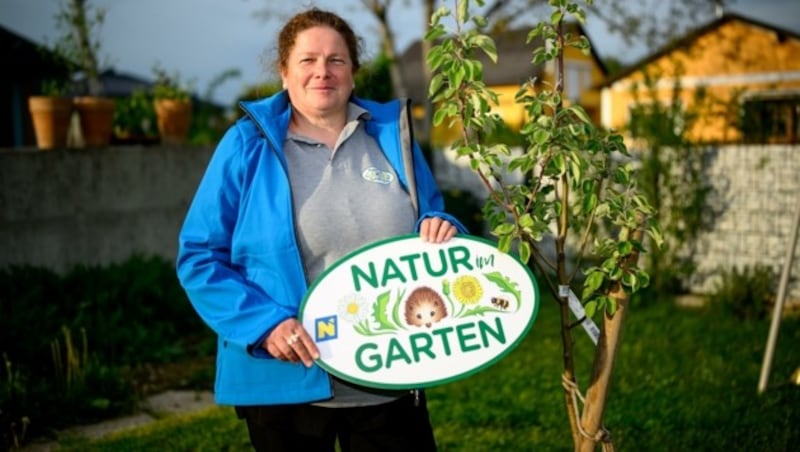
[{"x": 353, "y": 308}]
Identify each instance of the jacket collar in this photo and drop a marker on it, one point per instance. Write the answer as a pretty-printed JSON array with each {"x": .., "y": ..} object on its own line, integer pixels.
[{"x": 271, "y": 114}]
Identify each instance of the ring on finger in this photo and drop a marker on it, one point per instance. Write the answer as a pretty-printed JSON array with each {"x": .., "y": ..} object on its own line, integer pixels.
[{"x": 292, "y": 339}]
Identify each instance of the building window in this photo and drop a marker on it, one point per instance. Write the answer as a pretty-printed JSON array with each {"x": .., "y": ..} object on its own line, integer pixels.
[{"x": 771, "y": 120}]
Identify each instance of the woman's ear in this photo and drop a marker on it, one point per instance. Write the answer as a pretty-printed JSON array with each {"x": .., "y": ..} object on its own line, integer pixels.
[{"x": 283, "y": 78}]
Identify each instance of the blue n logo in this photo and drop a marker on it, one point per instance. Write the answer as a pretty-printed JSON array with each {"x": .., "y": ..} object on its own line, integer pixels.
[{"x": 325, "y": 328}]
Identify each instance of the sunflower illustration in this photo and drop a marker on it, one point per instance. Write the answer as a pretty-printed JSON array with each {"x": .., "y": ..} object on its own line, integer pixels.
[
  {"x": 353, "y": 308},
  {"x": 467, "y": 289}
]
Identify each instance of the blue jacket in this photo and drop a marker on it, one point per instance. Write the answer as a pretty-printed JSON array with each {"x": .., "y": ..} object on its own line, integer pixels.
[{"x": 238, "y": 256}]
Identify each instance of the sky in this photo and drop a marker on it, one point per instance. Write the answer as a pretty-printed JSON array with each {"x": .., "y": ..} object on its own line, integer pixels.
[{"x": 200, "y": 39}]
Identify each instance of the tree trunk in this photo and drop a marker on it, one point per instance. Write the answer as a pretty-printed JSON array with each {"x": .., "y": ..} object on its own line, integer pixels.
[
  {"x": 426, "y": 125},
  {"x": 379, "y": 10},
  {"x": 605, "y": 356}
]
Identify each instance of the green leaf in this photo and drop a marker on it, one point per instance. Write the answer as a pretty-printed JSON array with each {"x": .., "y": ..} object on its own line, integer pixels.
[
  {"x": 435, "y": 33},
  {"x": 580, "y": 113},
  {"x": 575, "y": 169},
  {"x": 539, "y": 57},
  {"x": 611, "y": 305},
  {"x": 504, "y": 243},
  {"x": 439, "y": 14},
  {"x": 486, "y": 44},
  {"x": 379, "y": 309},
  {"x": 655, "y": 234},
  {"x": 589, "y": 202},
  {"x": 590, "y": 308},
  {"x": 622, "y": 176},
  {"x": 560, "y": 163},
  {"x": 592, "y": 283},
  {"x": 458, "y": 77},
  {"x": 625, "y": 248},
  {"x": 435, "y": 59},
  {"x": 540, "y": 136},
  {"x": 462, "y": 12},
  {"x": 643, "y": 277},
  {"x": 480, "y": 310},
  {"x": 436, "y": 83},
  {"x": 480, "y": 21},
  {"x": 396, "y": 310},
  {"x": 439, "y": 116},
  {"x": 524, "y": 252},
  {"x": 504, "y": 229}
]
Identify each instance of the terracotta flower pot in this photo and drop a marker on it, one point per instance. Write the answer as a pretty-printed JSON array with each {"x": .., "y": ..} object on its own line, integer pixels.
[
  {"x": 173, "y": 118},
  {"x": 51, "y": 118},
  {"x": 97, "y": 120}
]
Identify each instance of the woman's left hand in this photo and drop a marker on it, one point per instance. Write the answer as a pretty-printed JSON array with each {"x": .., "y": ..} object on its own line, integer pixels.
[{"x": 436, "y": 230}]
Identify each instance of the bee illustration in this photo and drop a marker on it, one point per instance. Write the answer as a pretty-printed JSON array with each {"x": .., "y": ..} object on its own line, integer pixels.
[{"x": 501, "y": 303}]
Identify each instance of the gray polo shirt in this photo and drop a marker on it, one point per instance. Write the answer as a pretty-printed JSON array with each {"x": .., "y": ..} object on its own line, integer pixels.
[{"x": 344, "y": 198}]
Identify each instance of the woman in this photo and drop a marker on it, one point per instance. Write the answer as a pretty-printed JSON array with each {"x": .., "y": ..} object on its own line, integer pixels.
[{"x": 307, "y": 176}]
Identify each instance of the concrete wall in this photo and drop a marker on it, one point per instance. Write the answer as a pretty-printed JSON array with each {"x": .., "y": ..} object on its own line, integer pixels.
[{"x": 66, "y": 207}]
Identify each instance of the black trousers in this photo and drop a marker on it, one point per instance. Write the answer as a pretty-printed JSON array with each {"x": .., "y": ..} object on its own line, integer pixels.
[{"x": 402, "y": 425}]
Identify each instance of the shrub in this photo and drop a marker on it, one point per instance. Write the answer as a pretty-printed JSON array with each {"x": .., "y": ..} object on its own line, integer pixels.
[
  {"x": 747, "y": 293},
  {"x": 135, "y": 118},
  {"x": 69, "y": 344}
]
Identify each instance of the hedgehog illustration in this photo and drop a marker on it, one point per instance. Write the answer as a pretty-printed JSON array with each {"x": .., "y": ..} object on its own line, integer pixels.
[{"x": 424, "y": 307}]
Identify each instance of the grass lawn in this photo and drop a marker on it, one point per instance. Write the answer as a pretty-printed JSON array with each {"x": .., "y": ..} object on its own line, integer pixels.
[{"x": 685, "y": 380}]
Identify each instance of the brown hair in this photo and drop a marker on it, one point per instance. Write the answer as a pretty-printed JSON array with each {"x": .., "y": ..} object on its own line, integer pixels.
[{"x": 315, "y": 17}]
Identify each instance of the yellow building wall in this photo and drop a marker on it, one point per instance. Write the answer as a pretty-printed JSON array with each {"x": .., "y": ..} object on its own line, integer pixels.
[{"x": 728, "y": 64}]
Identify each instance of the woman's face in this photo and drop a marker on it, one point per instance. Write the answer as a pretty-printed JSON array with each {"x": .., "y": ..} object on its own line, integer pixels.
[{"x": 319, "y": 72}]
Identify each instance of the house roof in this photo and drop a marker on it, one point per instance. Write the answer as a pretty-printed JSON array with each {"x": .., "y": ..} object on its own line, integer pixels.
[
  {"x": 119, "y": 84},
  {"x": 692, "y": 36},
  {"x": 27, "y": 59},
  {"x": 513, "y": 63}
]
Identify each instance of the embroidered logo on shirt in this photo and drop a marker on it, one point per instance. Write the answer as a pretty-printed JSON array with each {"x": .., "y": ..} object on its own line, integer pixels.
[{"x": 373, "y": 174}]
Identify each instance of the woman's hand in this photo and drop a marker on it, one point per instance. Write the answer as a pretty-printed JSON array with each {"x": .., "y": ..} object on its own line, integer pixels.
[
  {"x": 290, "y": 342},
  {"x": 436, "y": 230}
]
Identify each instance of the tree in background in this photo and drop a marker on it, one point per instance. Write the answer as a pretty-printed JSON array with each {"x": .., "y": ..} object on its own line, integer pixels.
[
  {"x": 79, "y": 23},
  {"x": 578, "y": 198}
]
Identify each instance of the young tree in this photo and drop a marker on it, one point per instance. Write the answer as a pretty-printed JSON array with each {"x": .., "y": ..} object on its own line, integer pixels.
[
  {"x": 578, "y": 198},
  {"x": 79, "y": 23}
]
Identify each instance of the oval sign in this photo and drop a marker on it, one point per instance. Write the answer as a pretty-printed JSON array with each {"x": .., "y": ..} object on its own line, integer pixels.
[{"x": 403, "y": 313}]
